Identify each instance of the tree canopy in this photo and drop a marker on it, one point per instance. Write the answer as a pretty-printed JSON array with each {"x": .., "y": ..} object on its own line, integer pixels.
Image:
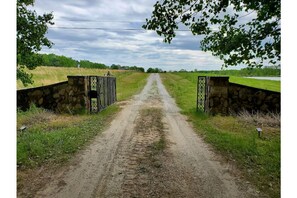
[
  {"x": 31, "y": 30},
  {"x": 228, "y": 33},
  {"x": 58, "y": 61},
  {"x": 154, "y": 70}
]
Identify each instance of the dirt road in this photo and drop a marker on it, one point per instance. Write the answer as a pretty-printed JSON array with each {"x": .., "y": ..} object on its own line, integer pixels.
[{"x": 149, "y": 150}]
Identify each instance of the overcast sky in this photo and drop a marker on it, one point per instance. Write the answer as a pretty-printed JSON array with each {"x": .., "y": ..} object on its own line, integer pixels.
[{"x": 113, "y": 41}]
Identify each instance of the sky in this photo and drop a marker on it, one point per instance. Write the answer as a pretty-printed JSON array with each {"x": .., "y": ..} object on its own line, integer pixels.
[{"x": 113, "y": 41}]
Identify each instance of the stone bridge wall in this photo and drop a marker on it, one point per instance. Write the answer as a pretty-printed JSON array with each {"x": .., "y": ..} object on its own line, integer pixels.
[
  {"x": 223, "y": 97},
  {"x": 253, "y": 99},
  {"x": 69, "y": 96}
]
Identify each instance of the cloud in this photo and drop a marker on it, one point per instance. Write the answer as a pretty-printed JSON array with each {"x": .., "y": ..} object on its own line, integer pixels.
[{"x": 114, "y": 36}]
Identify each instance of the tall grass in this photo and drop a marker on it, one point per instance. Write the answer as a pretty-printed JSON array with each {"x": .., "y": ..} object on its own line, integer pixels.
[
  {"x": 51, "y": 138},
  {"x": 234, "y": 136},
  {"x": 44, "y": 75}
]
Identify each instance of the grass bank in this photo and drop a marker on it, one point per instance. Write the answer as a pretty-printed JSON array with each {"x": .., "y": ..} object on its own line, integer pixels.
[
  {"x": 262, "y": 84},
  {"x": 54, "y": 138},
  {"x": 44, "y": 75},
  {"x": 234, "y": 137},
  {"x": 130, "y": 84}
]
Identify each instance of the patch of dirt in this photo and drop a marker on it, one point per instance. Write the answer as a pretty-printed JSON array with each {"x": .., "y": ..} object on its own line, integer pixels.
[
  {"x": 29, "y": 181},
  {"x": 149, "y": 150},
  {"x": 142, "y": 158}
]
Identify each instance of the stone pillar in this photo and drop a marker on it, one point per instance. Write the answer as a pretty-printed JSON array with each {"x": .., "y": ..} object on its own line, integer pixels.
[
  {"x": 217, "y": 94},
  {"x": 76, "y": 94}
]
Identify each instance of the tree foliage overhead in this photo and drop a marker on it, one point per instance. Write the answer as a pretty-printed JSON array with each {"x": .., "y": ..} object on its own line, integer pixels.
[
  {"x": 31, "y": 30},
  {"x": 228, "y": 34}
]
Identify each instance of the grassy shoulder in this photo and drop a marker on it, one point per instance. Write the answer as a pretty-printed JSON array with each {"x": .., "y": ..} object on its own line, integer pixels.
[
  {"x": 234, "y": 137},
  {"x": 129, "y": 85},
  {"x": 53, "y": 138},
  {"x": 271, "y": 85},
  {"x": 262, "y": 84}
]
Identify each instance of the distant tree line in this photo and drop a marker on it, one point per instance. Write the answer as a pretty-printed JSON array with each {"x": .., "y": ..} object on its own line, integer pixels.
[
  {"x": 155, "y": 70},
  {"x": 119, "y": 67},
  {"x": 63, "y": 61},
  {"x": 58, "y": 61},
  {"x": 265, "y": 71}
]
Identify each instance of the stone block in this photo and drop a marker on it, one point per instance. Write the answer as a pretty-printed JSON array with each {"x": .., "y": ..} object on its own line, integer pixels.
[
  {"x": 47, "y": 91},
  {"x": 269, "y": 98},
  {"x": 56, "y": 95},
  {"x": 216, "y": 101},
  {"x": 219, "y": 81},
  {"x": 40, "y": 101},
  {"x": 260, "y": 95},
  {"x": 77, "y": 106},
  {"x": 275, "y": 100},
  {"x": 211, "y": 102},
  {"x": 264, "y": 108},
  {"x": 250, "y": 98},
  {"x": 241, "y": 93},
  {"x": 37, "y": 93},
  {"x": 62, "y": 92},
  {"x": 81, "y": 81},
  {"x": 211, "y": 83},
  {"x": 70, "y": 81},
  {"x": 226, "y": 104}
]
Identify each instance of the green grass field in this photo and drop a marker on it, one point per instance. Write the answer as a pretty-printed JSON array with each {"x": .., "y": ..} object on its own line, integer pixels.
[
  {"x": 49, "y": 75},
  {"x": 234, "y": 137},
  {"x": 53, "y": 138},
  {"x": 262, "y": 84}
]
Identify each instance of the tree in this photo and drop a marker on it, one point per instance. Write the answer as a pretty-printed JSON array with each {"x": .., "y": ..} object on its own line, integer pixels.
[
  {"x": 89, "y": 64},
  {"x": 150, "y": 70},
  {"x": 141, "y": 69},
  {"x": 154, "y": 70},
  {"x": 254, "y": 43},
  {"x": 113, "y": 66},
  {"x": 31, "y": 30}
]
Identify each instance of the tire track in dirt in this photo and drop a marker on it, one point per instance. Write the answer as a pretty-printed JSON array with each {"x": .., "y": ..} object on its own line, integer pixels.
[
  {"x": 137, "y": 159},
  {"x": 149, "y": 151}
]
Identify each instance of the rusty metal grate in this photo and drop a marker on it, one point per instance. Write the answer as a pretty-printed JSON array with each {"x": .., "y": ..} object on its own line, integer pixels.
[
  {"x": 94, "y": 105},
  {"x": 201, "y": 93},
  {"x": 93, "y": 82},
  {"x": 102, "y": 92},
  {"x": 93, "y": 100}
]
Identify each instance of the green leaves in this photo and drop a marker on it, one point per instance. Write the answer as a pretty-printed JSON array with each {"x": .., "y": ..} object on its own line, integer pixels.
[
  {"x": 254, "y": 42},
  {"x": 24, "y": 76},
  {"x": 31, "y": 30}
]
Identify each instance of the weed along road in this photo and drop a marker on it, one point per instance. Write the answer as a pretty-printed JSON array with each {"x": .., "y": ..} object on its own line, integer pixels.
[{"x": 149, "y": 150}]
